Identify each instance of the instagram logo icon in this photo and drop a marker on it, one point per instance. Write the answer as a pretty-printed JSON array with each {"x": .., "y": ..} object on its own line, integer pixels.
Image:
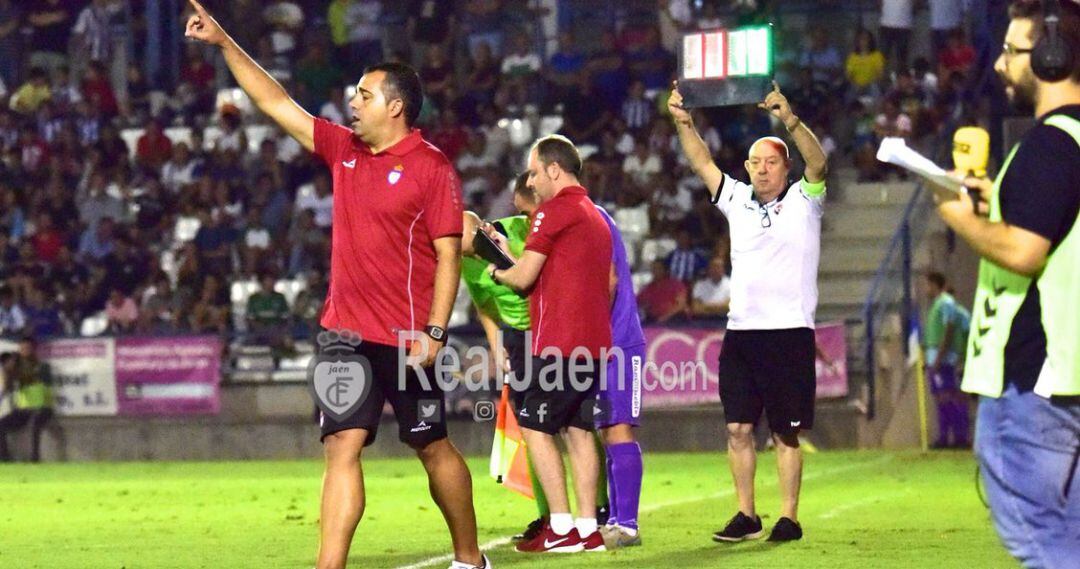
[{"x": 483, "y": 411}]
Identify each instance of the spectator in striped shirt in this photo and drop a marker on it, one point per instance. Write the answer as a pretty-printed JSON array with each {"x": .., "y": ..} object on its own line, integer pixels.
[
  {"x": 93, "y": 35},
  {"x": 87, "y": 123},
  {"x": 637, "y": 111},
  {"x": 686, "y": 262},
  {"x": 50, "y": 123}
]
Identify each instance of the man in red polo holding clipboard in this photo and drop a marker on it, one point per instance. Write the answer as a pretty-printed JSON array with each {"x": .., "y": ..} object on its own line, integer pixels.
[{"x": 567, "y": 267}]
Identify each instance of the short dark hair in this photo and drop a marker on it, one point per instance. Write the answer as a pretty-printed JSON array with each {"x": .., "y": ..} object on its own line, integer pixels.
[
  {"x": 863, "y": 32},
  {"x": 402, "y": 82},
  {"x": 937, "y": 279},
  {"x": 521, "y": 187},
  {"x": 1068, "y": 25},
  {"x": 557, "y": 149}
]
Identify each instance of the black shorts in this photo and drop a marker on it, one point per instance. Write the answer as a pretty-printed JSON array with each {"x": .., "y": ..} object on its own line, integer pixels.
[
  {"x": 569, "y": 405},
  {"x": 517, "y": 351},
  {"x": 413, "y": 429},
  {"x": 770, "y": 370}
]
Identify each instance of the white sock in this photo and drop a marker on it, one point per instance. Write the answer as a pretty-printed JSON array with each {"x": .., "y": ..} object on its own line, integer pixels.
[
  {"x": 462, "y": 565},
  {"x": 585, "y": 526},
  {"x": 561, "y": 524},
  {"x": 628, "y": 531}
]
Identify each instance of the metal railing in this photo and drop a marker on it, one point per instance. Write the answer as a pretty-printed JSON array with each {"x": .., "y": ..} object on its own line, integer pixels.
[{"x": 891, "y": 287}]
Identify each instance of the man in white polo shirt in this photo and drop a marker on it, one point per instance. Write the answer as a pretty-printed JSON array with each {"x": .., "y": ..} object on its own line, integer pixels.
[
  {"x": 712, "y": 294},
  {"x": 767, "y": 360}
]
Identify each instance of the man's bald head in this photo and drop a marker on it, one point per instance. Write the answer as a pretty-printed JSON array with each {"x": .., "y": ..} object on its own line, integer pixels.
[
  {"x": 775, "y": 143},
  {"x": 768, "y": 165}
]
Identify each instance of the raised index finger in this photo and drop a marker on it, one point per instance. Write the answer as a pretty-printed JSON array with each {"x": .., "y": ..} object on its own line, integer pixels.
[
  {"x": 198, "y": 7},
  {"x": 775, "y": 85}
]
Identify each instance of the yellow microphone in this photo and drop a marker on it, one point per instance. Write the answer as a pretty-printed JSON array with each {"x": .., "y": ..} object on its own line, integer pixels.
[{"x": 971, "y": 151}]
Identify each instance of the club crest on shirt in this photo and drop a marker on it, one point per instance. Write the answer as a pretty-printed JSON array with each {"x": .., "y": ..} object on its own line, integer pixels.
[
  {"x": 777, "y": 209},
  {"x": 395, "y": 174}
]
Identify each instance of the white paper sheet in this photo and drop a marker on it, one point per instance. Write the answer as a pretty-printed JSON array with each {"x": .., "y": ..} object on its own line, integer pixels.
[{"x": 896, "y": 151}]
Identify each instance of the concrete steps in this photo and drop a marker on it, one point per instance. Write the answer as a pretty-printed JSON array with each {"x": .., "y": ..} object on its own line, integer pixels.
[{"x": 858, "y": 226}]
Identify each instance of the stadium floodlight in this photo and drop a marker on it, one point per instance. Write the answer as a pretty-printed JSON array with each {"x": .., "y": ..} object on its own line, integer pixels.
[{"x": 726, "y": 67}]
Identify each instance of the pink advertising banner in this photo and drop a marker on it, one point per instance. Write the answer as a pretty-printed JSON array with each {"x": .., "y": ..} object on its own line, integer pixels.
[
  {"x": 681, "y": 365},
  {"x": 168, "y": 375}
]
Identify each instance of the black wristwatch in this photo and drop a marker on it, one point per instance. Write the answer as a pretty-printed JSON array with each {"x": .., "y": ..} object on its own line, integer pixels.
[
  {"x": 438, "y": 334},
  {"x": 491, "y": 273}
]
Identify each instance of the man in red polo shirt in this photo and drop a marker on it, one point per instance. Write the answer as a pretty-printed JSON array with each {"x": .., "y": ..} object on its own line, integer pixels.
[
  {"x": 395, "y": 266},
  {"x": 567, "y": 266}
]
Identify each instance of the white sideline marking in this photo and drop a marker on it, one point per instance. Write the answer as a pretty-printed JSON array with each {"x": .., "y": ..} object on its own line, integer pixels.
[
  {"x": 869, "y": 500},
  {"x": 671, "y": 504}
]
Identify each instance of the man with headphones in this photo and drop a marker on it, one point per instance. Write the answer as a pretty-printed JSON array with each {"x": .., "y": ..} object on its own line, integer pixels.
[{"x": 1022, "y": 356}]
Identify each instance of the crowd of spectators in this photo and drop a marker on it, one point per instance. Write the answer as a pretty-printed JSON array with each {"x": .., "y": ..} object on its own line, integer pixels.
[{"x": 152, "y": 234}]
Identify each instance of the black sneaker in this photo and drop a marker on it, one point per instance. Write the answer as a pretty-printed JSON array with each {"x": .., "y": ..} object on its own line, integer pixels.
[
  {"x": 741, "y": 527},
  {"x": 786, "y": 530},
  {"x": 533, "y": 530}
]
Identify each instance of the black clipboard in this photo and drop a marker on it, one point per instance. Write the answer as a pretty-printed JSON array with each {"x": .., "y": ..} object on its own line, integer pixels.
[{"x": 490, "y": 252}]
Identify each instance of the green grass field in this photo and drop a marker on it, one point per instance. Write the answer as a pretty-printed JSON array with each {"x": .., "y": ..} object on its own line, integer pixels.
[{"x": 859, "y": 509}]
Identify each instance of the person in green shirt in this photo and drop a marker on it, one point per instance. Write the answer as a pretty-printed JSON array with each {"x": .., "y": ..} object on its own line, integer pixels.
[
  {"x": 7, "y": 406},
  {"x": 944, "y": 325},
  {"x": 268, "y": 316},
  {"x": 500, "y": 310},
  {"x": 28, "y": 382}
]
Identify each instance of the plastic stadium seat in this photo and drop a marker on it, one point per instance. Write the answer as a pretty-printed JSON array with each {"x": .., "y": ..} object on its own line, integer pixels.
[
  {"x": 169, "y": 265},
  {"x": 521, "y": 131},
  {"x": 241, "y": 290},
  {"x": 653, "y": 249},
  {"x": 304, "y": 192},
  {"x": 633, "y": 221},
  {"x": 458, "y": 317},
  {"x": 178, "y": 134},
  {"x": 290, "y": 288},
  {"x": 289, "y": 375},
  {"x": 130, "y": 136},
  {"x": 587, "y": 150},
  {"x": 299, "y": 362},
  {"x": 186, "y": 228},
  {"x": 631, "y": 252},
  {"x": 211, "y": 135},
  {"x": 94, "y": 325},
  {"x": 256, "y": 134},
  {"x": 640, "y": 280},
  {"x": 158, "y": 100},
  {"x": 550, "y": 124},
  {"x": 235, "y": 97},
  {"x": 255, "y": 363}
]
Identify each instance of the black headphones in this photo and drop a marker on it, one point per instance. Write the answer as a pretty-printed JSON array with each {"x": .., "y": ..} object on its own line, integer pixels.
[{"x": 1051, "y": 58}]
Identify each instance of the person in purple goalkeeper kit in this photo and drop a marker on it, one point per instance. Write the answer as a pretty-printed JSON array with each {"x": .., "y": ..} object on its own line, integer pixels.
[{"x": 620, "y": 410}]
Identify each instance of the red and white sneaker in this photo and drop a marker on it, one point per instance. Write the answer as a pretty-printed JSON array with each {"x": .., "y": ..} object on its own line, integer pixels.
[
  {"x": 550, "y": 542},
  {"x": 595, "y": 542}
]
